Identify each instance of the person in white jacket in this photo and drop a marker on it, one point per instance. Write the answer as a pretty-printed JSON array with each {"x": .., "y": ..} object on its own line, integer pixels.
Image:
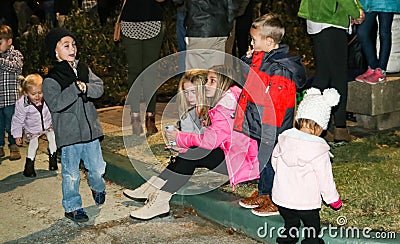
[
  {"x": 32, "y": 117},
  {"x": 303, "y": 172}
]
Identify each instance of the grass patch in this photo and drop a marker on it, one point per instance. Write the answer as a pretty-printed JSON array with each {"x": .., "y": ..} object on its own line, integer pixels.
[
  {"x": 367, "y": 176},
  {"x": 366, "y": 171}
]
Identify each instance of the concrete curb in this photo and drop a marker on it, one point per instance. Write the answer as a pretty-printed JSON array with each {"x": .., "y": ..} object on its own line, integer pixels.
[{"x": 223, "y": 208}]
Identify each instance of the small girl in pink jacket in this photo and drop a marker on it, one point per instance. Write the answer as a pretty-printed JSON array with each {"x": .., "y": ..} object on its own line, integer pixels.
[
  {"x": 32, "y": 117},
  {"x": 218, "y": 148},
  {"x": 303, "y": 172}
]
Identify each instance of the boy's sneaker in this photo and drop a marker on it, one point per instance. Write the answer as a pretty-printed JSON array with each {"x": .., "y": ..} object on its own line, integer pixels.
[
  {"x": 2, "y": 154},
  {"x": 255, "y": 200},
  {"x": 367, "y": 73},
  {"x": 268, "y": 209},
  {"x": 379, "y": 76},
  {"x": 78, "y": 215},
  {"x": 99, "y": 197}
]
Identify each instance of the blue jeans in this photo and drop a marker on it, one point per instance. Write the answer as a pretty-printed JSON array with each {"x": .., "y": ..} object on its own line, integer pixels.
[
  {"x": 91, "y": 155},
  {"x": 6, "y": 114},
  {"x": 267, "y": 173},
  {"x": 385, "y": 39},
  {"x": 266, "y": 180}
]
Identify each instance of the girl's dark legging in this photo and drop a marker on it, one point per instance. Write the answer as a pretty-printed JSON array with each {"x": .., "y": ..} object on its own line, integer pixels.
[{"x": 179, "y": 172}]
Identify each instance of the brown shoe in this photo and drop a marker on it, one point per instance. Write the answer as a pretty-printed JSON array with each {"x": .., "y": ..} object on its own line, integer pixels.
[
  {"x": 255, "y": 201},
  {"x": 2, "y": 154},
  {"x": 137, "y": 127},
  {"x": 265, "y": 210},
  {"x": 341, "y": 134},
  {"x": 329, "y": 137},
  {"x": 14, "y": 152},
  {"x": 151, "y": 125}
]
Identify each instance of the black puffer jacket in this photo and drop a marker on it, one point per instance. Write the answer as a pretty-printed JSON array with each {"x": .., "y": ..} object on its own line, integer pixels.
[{"x": 210, "y": 18}]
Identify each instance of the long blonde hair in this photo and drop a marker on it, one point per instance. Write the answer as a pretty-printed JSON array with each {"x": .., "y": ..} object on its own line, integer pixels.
[{"x": 198, "y": 78}]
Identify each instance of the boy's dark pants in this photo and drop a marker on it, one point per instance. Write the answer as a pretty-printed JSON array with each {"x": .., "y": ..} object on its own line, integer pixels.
[
  {"x": 292, "y": 217},
  {"x": 267, "y": 173},
  {"x": 6, "y": 114}
]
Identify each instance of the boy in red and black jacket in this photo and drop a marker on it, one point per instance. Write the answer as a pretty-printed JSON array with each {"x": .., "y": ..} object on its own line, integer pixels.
[{"x": 267, "y": 103}]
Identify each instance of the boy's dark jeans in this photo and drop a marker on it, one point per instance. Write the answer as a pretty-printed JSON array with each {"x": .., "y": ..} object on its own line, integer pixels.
[
  {"x": 267, "y": 173},
  {"x": 266, "y": 180},
  {"x": 6, "y": 114}
]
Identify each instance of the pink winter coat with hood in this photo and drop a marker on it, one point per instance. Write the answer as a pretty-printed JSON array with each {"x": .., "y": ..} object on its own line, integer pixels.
[
  {"x": 240, "y": 150},
  {"x": 303, "y": 171}
]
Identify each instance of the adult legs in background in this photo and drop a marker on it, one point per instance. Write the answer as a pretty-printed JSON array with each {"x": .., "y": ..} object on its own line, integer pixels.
[
  {"x": 367, "y": 43},
  {"x": 180, "y": 36},
  {"x": 207, "y": 57},
  {"x": 50, "y": 15},
  {"x": 330, "y": 51},
  {"x": 243, "y": 24},
  {"x": 140, "y": 54},
  {"x": 385, "y": 38}
]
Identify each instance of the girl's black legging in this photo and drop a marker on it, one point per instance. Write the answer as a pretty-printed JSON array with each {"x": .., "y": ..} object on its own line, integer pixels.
[{"x": 179, "y": 172}]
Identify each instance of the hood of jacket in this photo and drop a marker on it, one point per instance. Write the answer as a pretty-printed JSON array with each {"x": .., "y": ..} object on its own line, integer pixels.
[
  {"x": 304, "y": 147},
  {"x": 292, "y": 63}
]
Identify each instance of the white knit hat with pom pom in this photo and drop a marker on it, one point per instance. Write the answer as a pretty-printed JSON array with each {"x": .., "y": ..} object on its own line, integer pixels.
[{"x": 317, "y": 106}]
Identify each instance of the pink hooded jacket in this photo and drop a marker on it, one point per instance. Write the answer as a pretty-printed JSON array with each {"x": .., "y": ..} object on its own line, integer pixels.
[
  {"x": 303, "y": 171},
  {"x": 240, "y": 150}
]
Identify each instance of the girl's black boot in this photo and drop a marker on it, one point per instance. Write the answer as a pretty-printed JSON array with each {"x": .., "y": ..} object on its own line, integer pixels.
[
  {"x": 53, "y": 161},
  {"x": 29, "y": 170}
]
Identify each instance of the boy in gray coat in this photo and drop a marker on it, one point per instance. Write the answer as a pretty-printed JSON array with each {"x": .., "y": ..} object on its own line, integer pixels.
[{"x": 68, "y": 91}]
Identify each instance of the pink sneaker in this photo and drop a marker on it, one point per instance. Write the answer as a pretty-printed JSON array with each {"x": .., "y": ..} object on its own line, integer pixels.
[
  {"x": 367, "y": 73},
  {"x": 379, "y": 76}
]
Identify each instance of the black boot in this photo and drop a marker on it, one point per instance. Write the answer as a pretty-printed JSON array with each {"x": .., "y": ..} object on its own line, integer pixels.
[
  {"x": 29, "y": 170},
  {"x": 53, "y": 161}
]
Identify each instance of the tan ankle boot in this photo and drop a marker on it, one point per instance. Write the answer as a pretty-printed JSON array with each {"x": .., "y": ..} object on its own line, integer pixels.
[
  {"x": 137, "y": 128},
  {"x": 341, "y": 134},
  {"x": 151, "y": 124},
  {"x": 156, "y": 205},
  {"x": 143, "y": 191},
  {"x": 14, "y": 152}
]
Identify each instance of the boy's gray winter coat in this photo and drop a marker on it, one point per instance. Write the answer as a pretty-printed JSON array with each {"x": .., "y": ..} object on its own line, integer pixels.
[{"x": 74, "y": 120}]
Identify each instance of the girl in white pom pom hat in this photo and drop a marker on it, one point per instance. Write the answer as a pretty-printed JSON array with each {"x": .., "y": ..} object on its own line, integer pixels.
[{"x": 303, "y": 172}]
